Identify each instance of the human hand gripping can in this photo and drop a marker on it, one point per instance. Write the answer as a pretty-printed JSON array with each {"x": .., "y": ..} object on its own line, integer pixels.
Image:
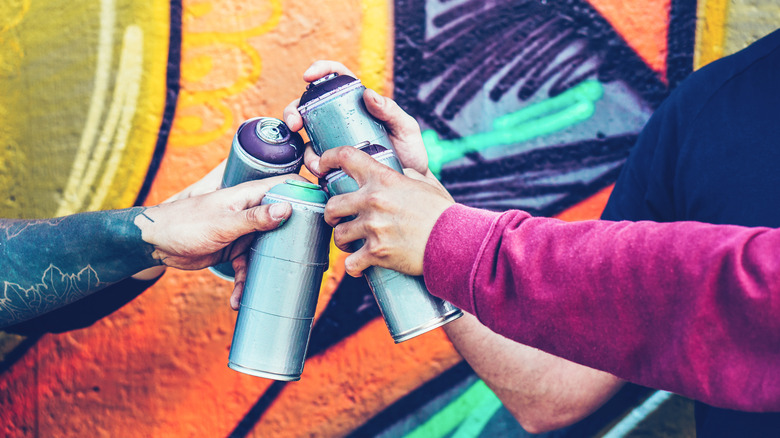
[
  {"x": 283, "y": 281},
  {"x": 334, "y": 115},
  {"x": 262, "y": 147}
]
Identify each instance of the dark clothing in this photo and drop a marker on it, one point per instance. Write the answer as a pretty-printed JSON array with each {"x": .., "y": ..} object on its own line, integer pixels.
[{"x": 711, "y": 153}]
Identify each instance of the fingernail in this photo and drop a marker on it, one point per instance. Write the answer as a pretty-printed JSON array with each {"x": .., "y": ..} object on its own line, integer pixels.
[
  {"x": 373, "y": 95},
  {"x": 308, "y": 71},
  {"x": 289, "y": 120},
  {"x": 278, "y": 211},
  {"x": 315, "y": 167}
]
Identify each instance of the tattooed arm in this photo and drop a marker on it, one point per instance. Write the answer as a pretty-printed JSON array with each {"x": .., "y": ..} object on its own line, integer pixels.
[
  {"x": 46, "y": 264},
  {"x": 49, "y": 263}
]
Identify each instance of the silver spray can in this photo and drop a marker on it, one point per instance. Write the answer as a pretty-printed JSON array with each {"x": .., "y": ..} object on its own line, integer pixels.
[
  {"x": 262, "y": 147},
  {"x": 283, "y": 282},
  {"x": 334, "y": 114},
  {"x": 406, "y": 305}
]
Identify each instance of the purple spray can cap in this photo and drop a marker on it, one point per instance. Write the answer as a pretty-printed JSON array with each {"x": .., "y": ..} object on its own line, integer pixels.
[
  {"x": 270, "y": 141},
  {"x": 324, "y": 86}
]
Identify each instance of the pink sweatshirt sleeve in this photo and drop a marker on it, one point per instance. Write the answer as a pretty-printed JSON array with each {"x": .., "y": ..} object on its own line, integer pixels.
[{"x": 686, "y": 307}]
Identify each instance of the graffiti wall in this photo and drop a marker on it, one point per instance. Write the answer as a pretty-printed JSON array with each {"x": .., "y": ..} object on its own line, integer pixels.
[{"x": 105, "y": 104}]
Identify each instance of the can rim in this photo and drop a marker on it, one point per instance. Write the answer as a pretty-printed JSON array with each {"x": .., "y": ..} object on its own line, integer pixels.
[
  {"x": 245, "y": 155},
  {"x": 266, "y": 122},
  {"x": 293, "y": 200},
  {"x": 428, "y": 326},
  {"x": 342, "y": 90},
  {"x": 265, "y": 374}
]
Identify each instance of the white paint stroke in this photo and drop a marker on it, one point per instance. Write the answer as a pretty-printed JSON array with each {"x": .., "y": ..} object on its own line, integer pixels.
[
  {"x": 71, "y": 200},
  {"x": 638, "y": 415},
  {"x": 126, "y": 99}
]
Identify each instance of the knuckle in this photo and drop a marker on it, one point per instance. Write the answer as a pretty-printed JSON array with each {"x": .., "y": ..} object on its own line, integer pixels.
[
  {"x": 378, "y": 250},
  {"x": 257, "y": 216},
  {"x": 375, "y": 200},
  {"x": 344, "y": 247},
  {"x": 344, "y": 153},
  {"x": 338, "y": 235}
]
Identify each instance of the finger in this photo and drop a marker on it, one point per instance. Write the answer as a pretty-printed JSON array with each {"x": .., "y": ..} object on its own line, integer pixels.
[
  {"x": 261, "y": 218},
  {"x": 387, "y": 110},
  {"x": 321, "y": 68},
  {"x": 395, "y": 119},
  {"x": 355, "y": 163},
  {"x": 251, "y": 193},
  {"x": 357, "y": 262},
  {"x": 345, "y": 233},
  {"x": 240, "y": 268},
  {"x": 292, "y": 118},
  {"x": 312, "y": 160},
  {"x": 403, "y": 128},
  {"x": 340, "y": 207},
  {"x": 415, "y": 175},
  {"x": 317, "y": 70}
]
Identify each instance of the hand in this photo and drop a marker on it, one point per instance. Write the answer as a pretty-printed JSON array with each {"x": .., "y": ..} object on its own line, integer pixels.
[
  {"x": 403, "y": 129},
  {"x": 207, "y": 184},
  {"x": 204, "y": 230},
  {"x": 394, "y": 214}
]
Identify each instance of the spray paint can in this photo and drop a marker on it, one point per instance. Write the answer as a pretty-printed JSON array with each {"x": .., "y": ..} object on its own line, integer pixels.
[
  {"x": 283, "y": 281},
  {"x": 262, "y": 147},
  {"x": 407, "y": 306},
  {"x": 334, "y": 114}
]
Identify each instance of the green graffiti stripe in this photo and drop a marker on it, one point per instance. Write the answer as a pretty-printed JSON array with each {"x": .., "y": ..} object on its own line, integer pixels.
[
  {"x": 479, "y": 417},
  {"x": 587, "y": 91},
  {"x": 546, "y": 117},
  {"x": 477, "y": 400}
]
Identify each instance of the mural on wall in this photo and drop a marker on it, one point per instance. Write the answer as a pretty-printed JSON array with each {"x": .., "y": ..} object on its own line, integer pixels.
[
  {"x": 73, "y": 84},
  {"x": 524, "y": 104},
  {"x": 527, "y": 105}
]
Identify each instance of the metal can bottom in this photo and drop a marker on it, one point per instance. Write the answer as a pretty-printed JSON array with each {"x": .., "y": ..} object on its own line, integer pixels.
[
  {"x": 430, "y": 325},
  {"x": 265, "y": 374}
]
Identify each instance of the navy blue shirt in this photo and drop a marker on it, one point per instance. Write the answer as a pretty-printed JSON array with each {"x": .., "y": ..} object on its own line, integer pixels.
[{"x": 711, "y": 153}]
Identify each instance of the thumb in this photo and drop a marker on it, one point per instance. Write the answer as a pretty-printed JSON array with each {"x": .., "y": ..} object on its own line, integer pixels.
[
  {"x": 261, "y": 218},
  {"x": 397, "y": 121}
]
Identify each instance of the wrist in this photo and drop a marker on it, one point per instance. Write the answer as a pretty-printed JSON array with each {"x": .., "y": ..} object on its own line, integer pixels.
[{"x": 127, "y": 230}]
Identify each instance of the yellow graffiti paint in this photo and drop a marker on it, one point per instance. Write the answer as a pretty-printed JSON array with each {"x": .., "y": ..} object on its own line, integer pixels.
[
  {"x": 375, "y": 44},
  {"x": 82, "y": 95},
  {"x": 198, "y": 69},
  {"x": 748, "y": 21},
  {"x": 727, "y": 26},
  {"x": 11, "y": 14},
  {"x": 123, "y": 108},
  {"x": 710, "y": 31}
]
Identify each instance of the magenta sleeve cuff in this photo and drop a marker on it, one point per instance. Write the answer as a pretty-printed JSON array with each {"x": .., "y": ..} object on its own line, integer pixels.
[{"x": 452, "y": 251}]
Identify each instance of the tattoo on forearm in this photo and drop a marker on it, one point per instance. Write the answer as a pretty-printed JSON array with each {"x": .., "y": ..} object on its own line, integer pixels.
[
  {"x": 46, "y": 264},
  {"x": 143, "y": 213}
]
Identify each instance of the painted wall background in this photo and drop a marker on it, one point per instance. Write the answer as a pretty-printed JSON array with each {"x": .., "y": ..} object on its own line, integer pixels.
[{"x": 524, "y": 104}]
